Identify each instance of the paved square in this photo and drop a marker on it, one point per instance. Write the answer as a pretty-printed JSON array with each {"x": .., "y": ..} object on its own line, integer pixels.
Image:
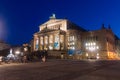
[{"x": 62, "y": 70}]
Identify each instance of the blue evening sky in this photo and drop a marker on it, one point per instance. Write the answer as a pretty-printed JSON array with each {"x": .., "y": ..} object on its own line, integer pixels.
[{"x": 19, "y": 19}]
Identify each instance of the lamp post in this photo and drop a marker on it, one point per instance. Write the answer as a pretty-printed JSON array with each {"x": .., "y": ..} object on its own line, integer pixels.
[{"x": 17, "y": 55}]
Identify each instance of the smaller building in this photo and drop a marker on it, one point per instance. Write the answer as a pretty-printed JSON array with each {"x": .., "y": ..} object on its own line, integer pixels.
[
  {"x": 99, "y": 44},
  {"x": 4, "y": 48},
  {"x": 117, "y": 47},
  {"x": 4, "y": 45}
]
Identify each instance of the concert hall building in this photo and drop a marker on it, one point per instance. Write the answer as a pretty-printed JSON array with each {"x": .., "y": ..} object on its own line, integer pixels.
[{"x": 64, "y": 39}]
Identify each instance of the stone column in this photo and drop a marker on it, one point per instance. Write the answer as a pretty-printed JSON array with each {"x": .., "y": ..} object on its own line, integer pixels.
[
  {"x": 53, "y": 41},
  {"x": 39, "y": 43},
  {"x": 43, "y": 42},
  {"x": 34, "y": 44},
  {"x": 66, "y": 41},
  {"x": 59, "y": 42},
  {"x": 48, "y": 42},
  {"x": 35, "y": 36},
  {"x": 63, "y": 42}
]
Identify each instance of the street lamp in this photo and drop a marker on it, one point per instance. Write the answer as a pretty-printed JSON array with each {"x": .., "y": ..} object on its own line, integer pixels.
[
  {"x": 25, "y": 49},
  {"x": 17, "y": 52}
]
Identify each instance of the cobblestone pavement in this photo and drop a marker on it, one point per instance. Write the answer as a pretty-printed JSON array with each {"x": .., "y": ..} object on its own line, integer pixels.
[{"x": 62, "y": 70}]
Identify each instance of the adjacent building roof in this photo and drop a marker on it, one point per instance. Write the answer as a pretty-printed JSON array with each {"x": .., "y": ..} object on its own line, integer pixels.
[{"x": 3, "y": 45}]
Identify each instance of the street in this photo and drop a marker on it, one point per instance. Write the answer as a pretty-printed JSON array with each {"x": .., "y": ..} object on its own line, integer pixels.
[{"x": 62, "y": 70}]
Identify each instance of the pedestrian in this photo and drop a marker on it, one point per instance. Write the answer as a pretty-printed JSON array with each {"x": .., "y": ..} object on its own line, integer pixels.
[
  {"x": 24, "y": 59},
  {"x": 0, "y": 59},
  {"x": 43, "y": 56}
]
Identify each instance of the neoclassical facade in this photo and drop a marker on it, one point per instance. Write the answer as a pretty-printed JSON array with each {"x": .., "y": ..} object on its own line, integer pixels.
[{"x": 62, "y": 38}]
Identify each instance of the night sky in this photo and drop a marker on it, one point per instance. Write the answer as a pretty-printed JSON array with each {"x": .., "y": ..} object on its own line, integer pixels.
[{"x": 19, "y": 19}]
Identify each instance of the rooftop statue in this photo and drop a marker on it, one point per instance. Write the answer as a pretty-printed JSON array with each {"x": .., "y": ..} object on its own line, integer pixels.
[{"x": 53, "y": 16}]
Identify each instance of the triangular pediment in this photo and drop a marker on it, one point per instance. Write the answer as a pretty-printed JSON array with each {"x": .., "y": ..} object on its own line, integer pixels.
[{"x": 51, "y": 21}]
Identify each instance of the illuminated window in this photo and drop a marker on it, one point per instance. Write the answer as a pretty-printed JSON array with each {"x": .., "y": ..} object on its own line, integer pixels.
[
  {"x": 87, "y": 47},
  {"x": 71, "y": 38},
  {"x": 36, "y": 44},
  {"x": 94, "y": 43},
  {"x": 41, "y": 40},
  {"x": 56, "y": 43},
  {"x": 68, "y": 39},
  {"x": 56, "y": 38},
  {"x": 41, "y": 47},
  {"x": 73, "y": 48},
  {"x": 87, "y": 54},
  {"x": 97, "y": 47},
  {"x": 50, "y": 47},
  {"x": 97, "y": 56},
  {"x": 86, "y": 44},
  {"x": 51, "y": 39},
  {"x": 61, "y": 38},
  {"x": 91, "y": 44},
  {"x": 46, "y": 40},
  {"x": 73, "y": 43},
  {"x": 37, "y": 41}
]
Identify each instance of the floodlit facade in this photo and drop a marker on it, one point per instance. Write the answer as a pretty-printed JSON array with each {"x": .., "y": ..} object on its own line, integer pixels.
[{"x": 62, "y": 38}]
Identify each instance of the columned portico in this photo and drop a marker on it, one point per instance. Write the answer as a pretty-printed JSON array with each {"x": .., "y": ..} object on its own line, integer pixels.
[{"x": 50, "y": 41}]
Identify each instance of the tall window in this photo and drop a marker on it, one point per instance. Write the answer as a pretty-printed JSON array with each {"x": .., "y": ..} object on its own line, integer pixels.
[
  {"x": 46, "y": 40},
  {"x": 61, "y": 42},
  {"x": 91, "y": 46},
  {"x": 71, "y": 42},
  {"x": 92, "y": 38},
  {"x": 36, "y": 44},
  {"x": 41, "y": 40},
  {"x": 51, "y": 39},
  {"x": 61, "y": 38},
  {"x": 45, "y": 43},
  {"x": 71, "y": 38},
  {"x": 56, "y": 43},
  {"x": 51, "y": 42}
]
